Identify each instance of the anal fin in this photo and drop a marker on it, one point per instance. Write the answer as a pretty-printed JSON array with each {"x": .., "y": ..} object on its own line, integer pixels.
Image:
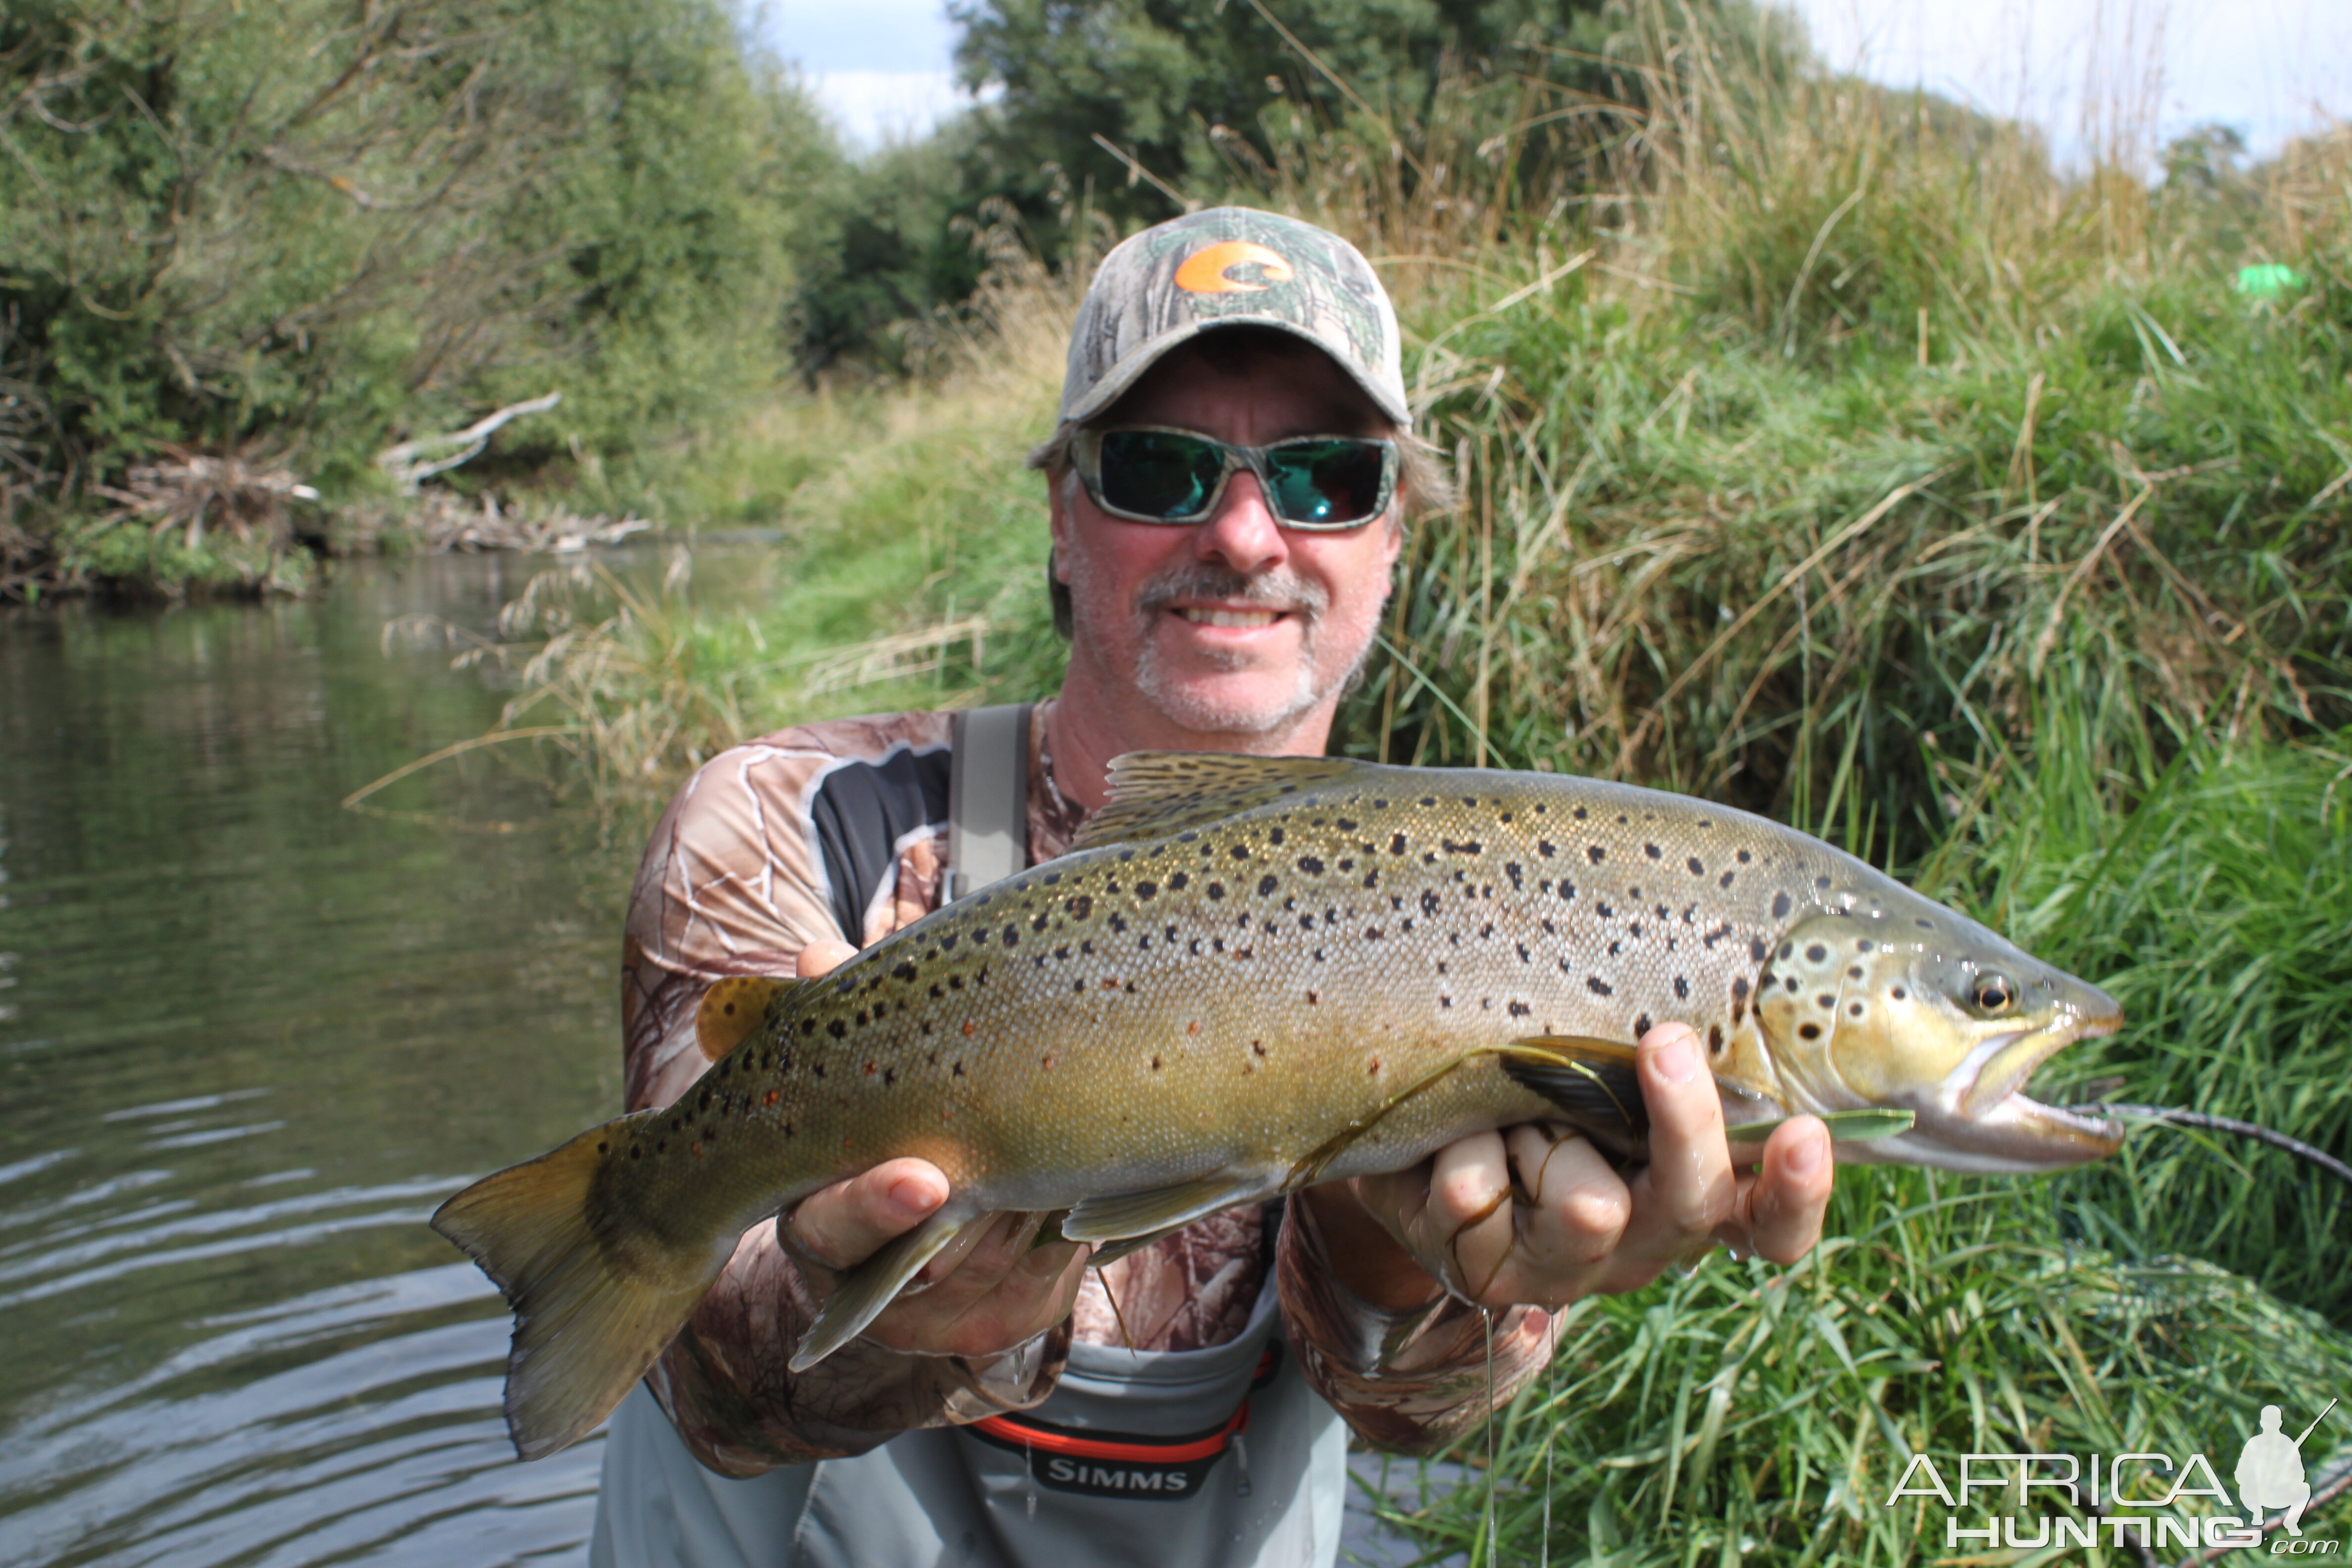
[
  {"x": 1147, "y": 1215},
  {"x": 864, "y": 1291}
]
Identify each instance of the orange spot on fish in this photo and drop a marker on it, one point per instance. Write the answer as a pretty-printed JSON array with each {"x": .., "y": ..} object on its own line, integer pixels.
[
  {"x": 697, "y": 1149},
  {"x": 1193, "y": 1028},
  {"x": 869, "y": 1069},
  {"x": 967, "y": 1028},
  {"x": 769, "y": 1098},
  {"x": 1374, "y": 1071},
  {"x": 1049, "y": 1058}
]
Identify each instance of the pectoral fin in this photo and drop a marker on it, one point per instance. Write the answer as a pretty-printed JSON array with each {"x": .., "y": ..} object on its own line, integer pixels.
[
  {"x": 1146, "y": 1216},
  {"x": 874, "y": 1284},
  {"x": 1591, "y": 1081}
]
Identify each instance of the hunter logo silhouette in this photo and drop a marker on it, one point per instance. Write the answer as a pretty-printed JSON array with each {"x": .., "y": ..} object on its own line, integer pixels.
[
  {"x": 2270, "y": 1472},
  {"x": 1211, "y": 272}
]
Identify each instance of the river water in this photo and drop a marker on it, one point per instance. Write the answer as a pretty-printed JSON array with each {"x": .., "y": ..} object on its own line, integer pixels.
[{"x": 249, "y": 1039}]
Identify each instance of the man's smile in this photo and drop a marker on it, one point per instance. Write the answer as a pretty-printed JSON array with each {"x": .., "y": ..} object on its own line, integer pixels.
[{"x": 1225, "y": 615}]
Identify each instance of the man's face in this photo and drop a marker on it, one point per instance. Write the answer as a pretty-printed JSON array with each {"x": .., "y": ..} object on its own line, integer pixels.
[{"x": 1235, "y": 625}]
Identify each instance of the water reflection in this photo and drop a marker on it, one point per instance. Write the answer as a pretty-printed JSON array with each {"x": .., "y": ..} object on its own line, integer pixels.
[{"x": 247, "y": 1040}]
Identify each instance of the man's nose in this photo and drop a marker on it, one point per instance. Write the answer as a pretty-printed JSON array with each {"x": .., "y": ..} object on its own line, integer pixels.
[{"x": 1242, "y": 534}]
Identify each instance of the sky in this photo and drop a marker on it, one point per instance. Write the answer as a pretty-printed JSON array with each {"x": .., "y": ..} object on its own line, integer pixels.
[{"x": 2269, "y": 67}]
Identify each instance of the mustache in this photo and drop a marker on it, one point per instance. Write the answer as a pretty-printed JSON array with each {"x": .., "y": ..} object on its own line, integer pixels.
[{"x": 1278, "y": 589}]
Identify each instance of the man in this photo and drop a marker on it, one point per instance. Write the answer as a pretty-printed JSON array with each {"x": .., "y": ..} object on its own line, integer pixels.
[{"x": 1228, "y": 483}]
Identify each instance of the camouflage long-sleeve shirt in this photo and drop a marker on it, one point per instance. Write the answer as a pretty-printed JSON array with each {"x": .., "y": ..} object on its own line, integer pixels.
[{"x": 739, "y": 877}]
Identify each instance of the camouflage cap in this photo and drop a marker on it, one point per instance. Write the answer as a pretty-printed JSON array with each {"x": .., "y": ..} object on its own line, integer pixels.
[{"x": 1231, "y": 266}]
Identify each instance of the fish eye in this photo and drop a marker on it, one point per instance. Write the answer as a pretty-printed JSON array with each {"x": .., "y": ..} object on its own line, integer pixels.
[{"x": 1993, "y": 992}]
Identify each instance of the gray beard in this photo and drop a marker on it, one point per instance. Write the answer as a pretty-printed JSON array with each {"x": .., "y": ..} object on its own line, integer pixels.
[{"x": 1306, "y": 599}]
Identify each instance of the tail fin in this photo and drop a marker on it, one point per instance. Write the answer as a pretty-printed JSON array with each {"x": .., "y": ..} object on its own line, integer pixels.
[{"x": 589, "y": 1319}]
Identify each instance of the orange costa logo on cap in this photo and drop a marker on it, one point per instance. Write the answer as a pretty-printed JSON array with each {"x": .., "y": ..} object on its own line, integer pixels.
[{"x": 1211, "y": 272}]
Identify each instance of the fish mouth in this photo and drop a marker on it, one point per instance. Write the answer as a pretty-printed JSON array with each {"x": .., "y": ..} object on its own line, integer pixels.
[{"x": 1989, "y": 1123}]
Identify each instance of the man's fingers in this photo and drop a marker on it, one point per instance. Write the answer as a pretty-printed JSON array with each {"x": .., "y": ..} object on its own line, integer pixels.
[
  {"x": 1786, "y": 1204},
  {"x": 820, "y": 956},
  {"x": 1687, "y": 1189},
  {"x": 846, "y": 1224},
  {"x": 1468, "y": 1221},
  {"x": 1580, "y": 1205}
]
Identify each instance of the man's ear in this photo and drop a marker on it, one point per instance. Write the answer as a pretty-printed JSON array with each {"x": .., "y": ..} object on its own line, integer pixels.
[{"x": 1057, "y": 511}]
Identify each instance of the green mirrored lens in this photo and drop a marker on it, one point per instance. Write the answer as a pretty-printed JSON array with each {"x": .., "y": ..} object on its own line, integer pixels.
[
  {"x": 1159, "y": 473},
  {"x": 1326, "y": 481}
]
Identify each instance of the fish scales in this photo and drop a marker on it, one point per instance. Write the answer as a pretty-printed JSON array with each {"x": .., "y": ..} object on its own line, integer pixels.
[
  {"x": 1347, "y": 947},
  {"x": 1175, "y": 999}
]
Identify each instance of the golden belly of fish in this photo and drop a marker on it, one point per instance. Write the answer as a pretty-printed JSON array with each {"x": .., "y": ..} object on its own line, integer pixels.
[{"x": 1257, "y": 974}]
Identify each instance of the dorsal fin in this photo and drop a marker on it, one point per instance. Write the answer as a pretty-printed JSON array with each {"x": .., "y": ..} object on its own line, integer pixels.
[{"x": 1155, "y": 794}]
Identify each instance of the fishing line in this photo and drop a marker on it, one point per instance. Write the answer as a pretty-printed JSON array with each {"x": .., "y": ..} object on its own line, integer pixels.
[
  {"x": 1493, "y": 1547},
  {"x": 2181, "y": 1117}
]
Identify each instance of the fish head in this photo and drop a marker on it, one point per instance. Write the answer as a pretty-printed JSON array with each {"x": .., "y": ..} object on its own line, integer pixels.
[{"x": 1917, "y": 1008}]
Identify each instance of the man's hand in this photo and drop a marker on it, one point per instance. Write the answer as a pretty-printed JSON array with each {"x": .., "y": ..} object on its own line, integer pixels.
[
  {"x": 1587, "y": 1230},
  {"x": 987, "y": 1292}
]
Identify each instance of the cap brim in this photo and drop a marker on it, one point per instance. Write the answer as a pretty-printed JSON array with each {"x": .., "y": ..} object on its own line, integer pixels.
[{"x": 1111, "y": 387}]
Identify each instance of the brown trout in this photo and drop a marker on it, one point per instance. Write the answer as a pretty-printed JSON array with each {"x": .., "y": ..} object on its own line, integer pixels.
[{"x": 1253, "y": 974}]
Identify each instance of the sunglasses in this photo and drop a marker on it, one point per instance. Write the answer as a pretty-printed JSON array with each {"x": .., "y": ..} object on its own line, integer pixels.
[{"x": 1149, "y": 474}]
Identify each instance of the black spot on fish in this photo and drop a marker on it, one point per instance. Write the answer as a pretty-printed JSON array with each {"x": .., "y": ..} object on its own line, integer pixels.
[
  {"x": 1755, "y": 949},
  {"x": 1924, "y": 924},
  {"x": 1061, "y": 955},
  {"x": 1780, "y": 906},
  {"x": 1579, "y": 814},
  {"x": 1467, "y": 847},
  {"x": 1267, "y": 885},
  {"x": 1396, "y": 842},
  {"x": 1512, "y": 871},
  {"x": 1715, "y": 1038},
  {"x": 1544, "y": 847},
  {"x": 1743, "y": 857},
  {"x": 1791, "y": 983},
  {"x": 1641, "y": 1025},
  {"x": 1428, "y": 903},
  {"x": 838, "y": 1029},
  {"x": 1052, "y": 877},
  {"x": 904, "y": 972},
  {"x": 1566, "y": 892},
  {"x": 1179, "y": 882},
  {"x": 1681, "y": 988},
  {"x": 1827, "y": 1004},
  {"x": 1603, "y": 910},
  {"x": 955, "y": 982},
  {"x": 1596, "y": 853},
  {"x": 1371, "y": 933},
  {"x": 1739, "y": 986},
  {"x": 1898, "y": 994},
  {"x": 1371, "y": 879},
  {"x": 1216, "y": 890},
  {"x": 1186, "y": 837},
  {"x": 1147, "y": 890},
  {"x": 1652, "y": 851},
  {"x": 1520, "y": 1009},
  {"x": 1080, "y": 907},
  {"x": 1854, "y": 972},
  {"x": 1695, "y": 868},
  {"x": 1597, "y": 986},
  {"x": 1810, "y": 1031},
  {"x": 1725, "y": 880},
  {"x": 1239, "y": 851},
  {"x": 1343, "y": 824},
  {"x": 1854, "y": 1010},
  {"x": 1822, "y": 883},
  {"x": 1816, "y": 954}
]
